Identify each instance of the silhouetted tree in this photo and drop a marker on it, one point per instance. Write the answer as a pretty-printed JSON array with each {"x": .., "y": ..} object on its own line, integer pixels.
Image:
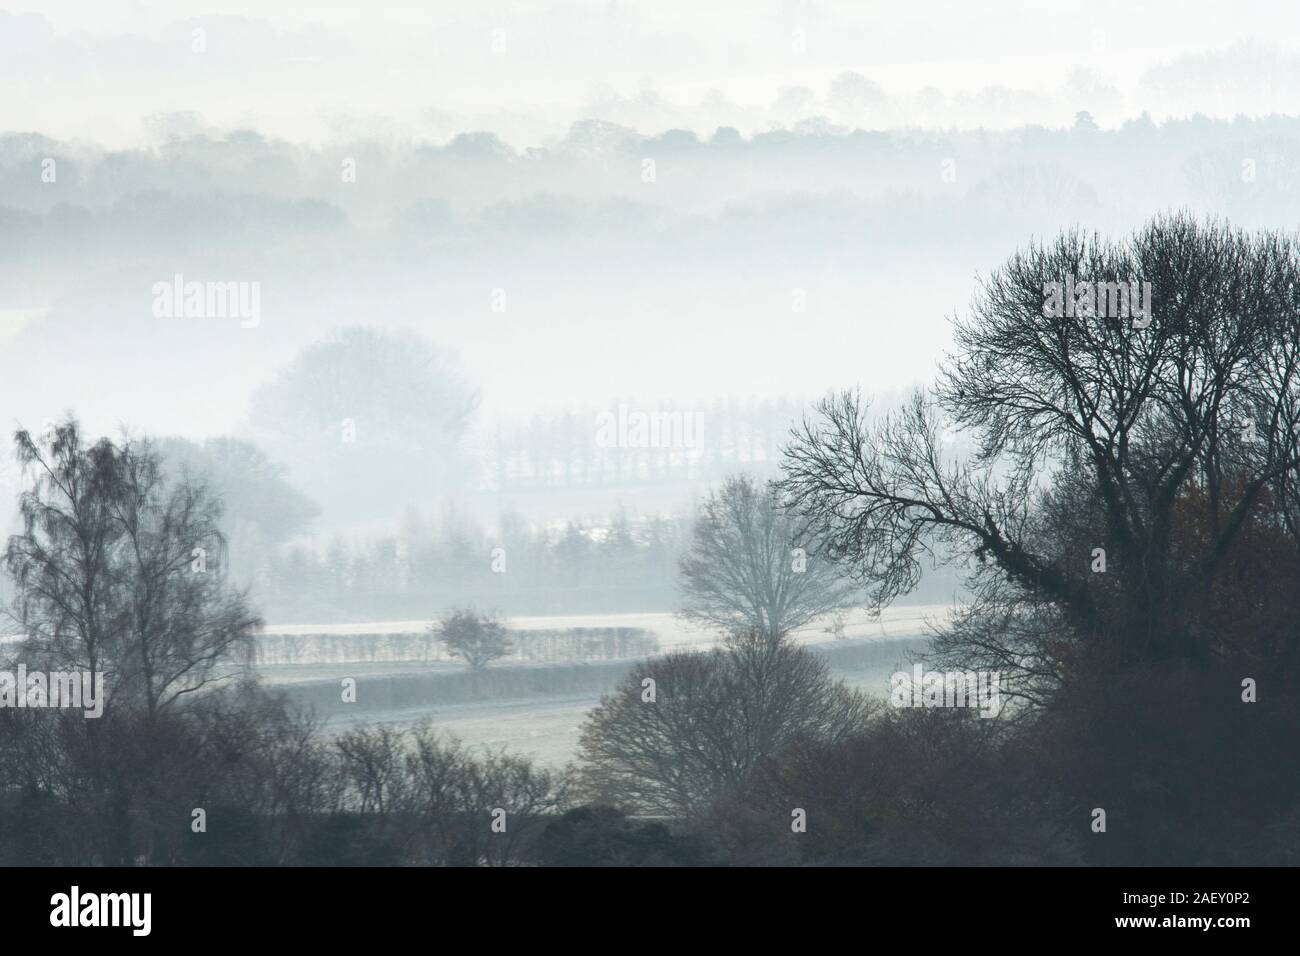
[
  {"x": 688, "y": 726},
  {"x": 1098, "y": 431},
  {"x": 119, "y": 570}
]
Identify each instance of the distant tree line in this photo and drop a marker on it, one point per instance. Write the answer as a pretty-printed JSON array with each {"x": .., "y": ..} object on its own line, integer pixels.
[
  {"x": 457, "y": 186},
  {"x": 569, "y": 449},
  {"x": 551, "y": 645},
  {"x": 515, "y": 569}
]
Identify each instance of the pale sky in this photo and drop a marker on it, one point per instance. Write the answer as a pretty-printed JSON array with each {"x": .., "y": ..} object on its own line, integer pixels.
[
  {"x": 643, "y": 292},
  {"x": 97, "y": 69}
]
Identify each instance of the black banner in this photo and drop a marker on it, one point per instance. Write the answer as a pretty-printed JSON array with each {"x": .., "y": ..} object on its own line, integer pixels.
[{"x": 333, "y": 905}]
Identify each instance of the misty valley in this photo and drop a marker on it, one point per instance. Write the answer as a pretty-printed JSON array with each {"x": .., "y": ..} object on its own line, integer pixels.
[{"x": 611, "y": 436}]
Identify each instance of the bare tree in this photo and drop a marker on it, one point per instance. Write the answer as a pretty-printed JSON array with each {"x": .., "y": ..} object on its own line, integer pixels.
[
  {"x": 1103, "y": 435},
  {"x": 477, "y": 639},
  {"x": 119, "y": 571},
  {"x": 748, "y": 566},
  {"x": 435, "y": 802},
  {"x": 690, "y": 726}
]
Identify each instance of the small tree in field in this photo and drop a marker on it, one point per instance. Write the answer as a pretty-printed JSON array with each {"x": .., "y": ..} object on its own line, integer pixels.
[{"x": 477, "y": 639}]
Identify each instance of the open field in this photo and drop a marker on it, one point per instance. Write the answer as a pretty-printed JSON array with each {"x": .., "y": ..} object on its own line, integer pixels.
[
  {"x": 544, "y": 722},
  {"x": 537, "y": 709},
  {"x": 672, "y": 631},
  {"x": 545, "y": 728}
]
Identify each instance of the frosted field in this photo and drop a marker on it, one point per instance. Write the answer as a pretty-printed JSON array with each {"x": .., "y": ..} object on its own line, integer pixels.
[
  {"x": 546, "y": 727},
  {"x": 894, "y": 622}
]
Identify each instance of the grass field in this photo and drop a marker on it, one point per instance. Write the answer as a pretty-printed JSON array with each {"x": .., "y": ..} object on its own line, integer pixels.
[
  {"x": 542, "y": 727},
  {"x": 546, "y": 727}
]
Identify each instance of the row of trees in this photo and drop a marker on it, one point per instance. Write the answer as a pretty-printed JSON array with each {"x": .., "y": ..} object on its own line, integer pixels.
[
  {"x": 518, "y": 568},
  {"x": 600, "y": 158},
  {"x": 551, "y": 645},
  {"x": 565, "y": 449},
  {"x": 237, "y": 778}
]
